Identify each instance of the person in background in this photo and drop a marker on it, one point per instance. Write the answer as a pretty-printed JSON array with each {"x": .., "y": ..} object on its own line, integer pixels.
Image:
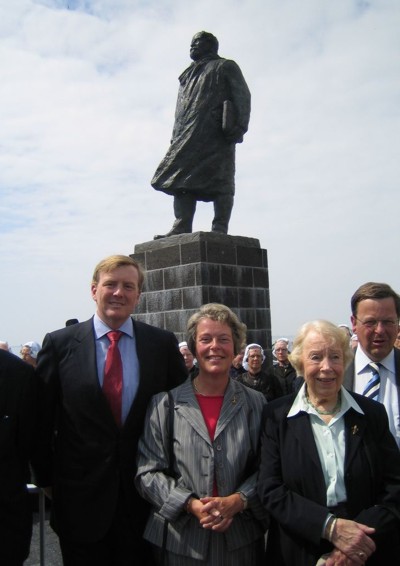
[
  {"x": 397, "y": 341},
  {"x": 354, "y": 342},
  {"x": 29, "y": 353},
  {"x": 190, "y": 360},
  {"x": 255, "y": 377},
  {"x": 346, "y": 329},
  {"x": 329, "y": 467},
  {"x": 96, "y": 379},
  {"x": 237, "y": 365},
  {"x": 18, "y": 411},
  {"x": 375, "y": 316},
  {"x": 214, "y": 514},
  {"x": 282, "y": 368},
  {"x": 4, "y": 346},
  {"x": 71, "y": 321}
]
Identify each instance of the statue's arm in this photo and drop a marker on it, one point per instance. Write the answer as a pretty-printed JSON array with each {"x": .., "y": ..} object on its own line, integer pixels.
[{"x": 239, "y": 94}]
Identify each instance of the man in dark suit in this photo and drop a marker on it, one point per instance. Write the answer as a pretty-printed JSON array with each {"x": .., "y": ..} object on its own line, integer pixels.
[
  {"x": 85, "y": 454},
  {"x": 18, "y": 402},
  {"x": 375, "y": 317}
]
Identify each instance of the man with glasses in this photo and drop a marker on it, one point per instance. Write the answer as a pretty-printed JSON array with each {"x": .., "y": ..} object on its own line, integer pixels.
[{"x": 375, "y": 317}]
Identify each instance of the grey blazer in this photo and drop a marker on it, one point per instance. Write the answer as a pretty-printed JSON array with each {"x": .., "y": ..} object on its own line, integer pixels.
[{"x": 231, "y": 457}]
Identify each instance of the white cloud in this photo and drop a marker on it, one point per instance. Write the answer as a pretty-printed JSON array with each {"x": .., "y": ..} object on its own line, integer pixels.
[{"x": 86, "y": 107}]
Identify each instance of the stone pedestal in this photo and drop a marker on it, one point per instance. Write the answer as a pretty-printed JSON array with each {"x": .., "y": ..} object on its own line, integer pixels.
[{"x": 186, "y": 271}]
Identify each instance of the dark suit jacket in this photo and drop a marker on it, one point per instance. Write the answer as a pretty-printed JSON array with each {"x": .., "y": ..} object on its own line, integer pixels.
[
  {"x": 292, "y": 487},
  {"x": 18, "y": 402},
  {"x": 349, "y": 374},
  {"x": 92, "y": 460}
]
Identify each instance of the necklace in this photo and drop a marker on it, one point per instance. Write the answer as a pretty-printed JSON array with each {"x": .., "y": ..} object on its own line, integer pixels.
[
  {"x": 333, "y": 411},
  {"x": 195, "y": 388},
  {"x": 195, "y": 381}
]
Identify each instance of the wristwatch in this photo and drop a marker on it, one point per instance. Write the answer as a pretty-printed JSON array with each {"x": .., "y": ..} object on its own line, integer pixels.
[{"x": 244, "y": 499}]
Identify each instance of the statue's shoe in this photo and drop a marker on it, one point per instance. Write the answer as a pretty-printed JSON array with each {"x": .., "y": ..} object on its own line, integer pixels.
[{"x": 172, "y": 232}]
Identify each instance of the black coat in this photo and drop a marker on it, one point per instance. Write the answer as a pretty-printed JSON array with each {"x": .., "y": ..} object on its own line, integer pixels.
[
  {"x": 18, "y": 405},
  {"x": 92, "y": 459},
  {"x": 292, "y": 488}
]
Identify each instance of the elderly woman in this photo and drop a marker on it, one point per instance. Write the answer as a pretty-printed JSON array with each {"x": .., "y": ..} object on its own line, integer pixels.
[
  {"x": 330, "y": 468},
  {"x": 214, "y": 515},
  {"x": 255, "y": 377}
]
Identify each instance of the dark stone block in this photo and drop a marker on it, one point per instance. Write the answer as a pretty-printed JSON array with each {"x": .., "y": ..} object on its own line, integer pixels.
[
  {"x": 264, "y": 258},
  {"x": 260, "y": 277},
  {"x": 221, "y": 253},
  {"x": 229, "y": 275},
  {"x": 166, "y": 301},
  {"x": 247, "y": 298},
  {"x": 193, "y": 298},
  {"x": 141, "y": 258},
  {"x": 179, "y": 277},
  {"x": 166, "y": 257},
  {"x": 248, "y": 316},
  {"x": 177, "y": 321},
  {"x": 154, "y": 281},
  {"x": 193, "y": 252},
  {"x": 262, "y": 318},
  {"x": 249, "y": 256},
  {"x": 208, "y": 274}
]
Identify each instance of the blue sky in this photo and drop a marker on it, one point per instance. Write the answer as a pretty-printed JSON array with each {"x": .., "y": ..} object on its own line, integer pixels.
[{"x": 86, "y": 111}]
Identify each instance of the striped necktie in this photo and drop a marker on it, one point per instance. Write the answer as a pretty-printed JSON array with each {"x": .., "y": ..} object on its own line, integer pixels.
[{"x": 372, "y": 389}]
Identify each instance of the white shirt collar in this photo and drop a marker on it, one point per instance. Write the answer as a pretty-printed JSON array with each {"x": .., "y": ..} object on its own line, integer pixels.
[
  {"x": 300, "y": 403},
  {"x": 361, "y": 361}
]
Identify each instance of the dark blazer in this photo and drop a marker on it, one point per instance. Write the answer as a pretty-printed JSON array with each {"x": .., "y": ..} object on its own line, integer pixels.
[
  {"x": 92, "y": 459},
  {"x": 18, "y": 402},
  {"x": 292, "y": 488},
  {"x": 349, "y": 374}
]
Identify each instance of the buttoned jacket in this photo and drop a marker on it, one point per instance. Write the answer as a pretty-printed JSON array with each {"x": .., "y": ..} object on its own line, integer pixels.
[
  {"x": 83, "y": 454},
  {"x": 292, "y": 485},
  {"x": 231, "y": 458}
]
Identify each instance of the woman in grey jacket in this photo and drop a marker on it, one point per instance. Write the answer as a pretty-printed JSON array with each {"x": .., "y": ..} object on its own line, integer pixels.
[{"x": 210, "y": 502}]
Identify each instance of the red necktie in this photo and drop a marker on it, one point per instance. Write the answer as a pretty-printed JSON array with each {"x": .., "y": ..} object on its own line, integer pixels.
[{"x": 112, "y": 383}]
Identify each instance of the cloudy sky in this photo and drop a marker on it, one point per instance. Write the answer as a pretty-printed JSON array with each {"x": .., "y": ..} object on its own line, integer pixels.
[{"x": 87, "y": 97}]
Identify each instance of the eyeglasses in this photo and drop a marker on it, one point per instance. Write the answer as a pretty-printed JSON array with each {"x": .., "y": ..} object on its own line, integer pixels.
[
  {"x": 372, "y": 324},
  {"x": 281, "y": 350}
]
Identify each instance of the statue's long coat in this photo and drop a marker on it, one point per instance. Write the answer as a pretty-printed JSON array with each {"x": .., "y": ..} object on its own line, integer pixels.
[{"x": 200, "y": 160}]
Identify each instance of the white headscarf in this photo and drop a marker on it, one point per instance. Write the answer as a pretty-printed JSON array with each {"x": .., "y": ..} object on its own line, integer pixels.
[
  {"x": 245, "y": 362},
  {"x": 34, "y": 348}
]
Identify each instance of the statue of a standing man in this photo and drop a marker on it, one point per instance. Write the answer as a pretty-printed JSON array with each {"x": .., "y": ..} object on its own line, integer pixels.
[{"x": 212, "y": 115}]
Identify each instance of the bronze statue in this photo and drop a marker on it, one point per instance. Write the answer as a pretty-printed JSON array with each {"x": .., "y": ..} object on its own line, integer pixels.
[{"x": 212, "y": 115}]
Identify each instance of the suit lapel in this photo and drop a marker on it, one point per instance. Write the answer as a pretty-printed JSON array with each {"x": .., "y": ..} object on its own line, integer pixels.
[{"x": 355, "y": 425}]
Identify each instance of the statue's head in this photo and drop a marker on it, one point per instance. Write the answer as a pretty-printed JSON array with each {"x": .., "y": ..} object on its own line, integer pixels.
[{"x": 203, "y": 43}]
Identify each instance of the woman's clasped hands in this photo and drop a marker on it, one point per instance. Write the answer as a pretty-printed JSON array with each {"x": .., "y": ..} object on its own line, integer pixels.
[{"x": 216, "y": 513}]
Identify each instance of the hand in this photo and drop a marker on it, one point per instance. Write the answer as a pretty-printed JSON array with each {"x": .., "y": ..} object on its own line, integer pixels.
[
  {"x": 353, "y": 540},
  {"x": 218, "y": 512},
  {"x": 337, "y": 558}
]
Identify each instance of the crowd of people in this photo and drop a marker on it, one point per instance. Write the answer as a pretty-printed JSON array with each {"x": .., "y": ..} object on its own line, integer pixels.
[{"x": 205, "y": 451}]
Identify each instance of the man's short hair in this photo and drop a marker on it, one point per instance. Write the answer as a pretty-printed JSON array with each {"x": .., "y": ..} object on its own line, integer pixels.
[{"x": 373, "y": 290}]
